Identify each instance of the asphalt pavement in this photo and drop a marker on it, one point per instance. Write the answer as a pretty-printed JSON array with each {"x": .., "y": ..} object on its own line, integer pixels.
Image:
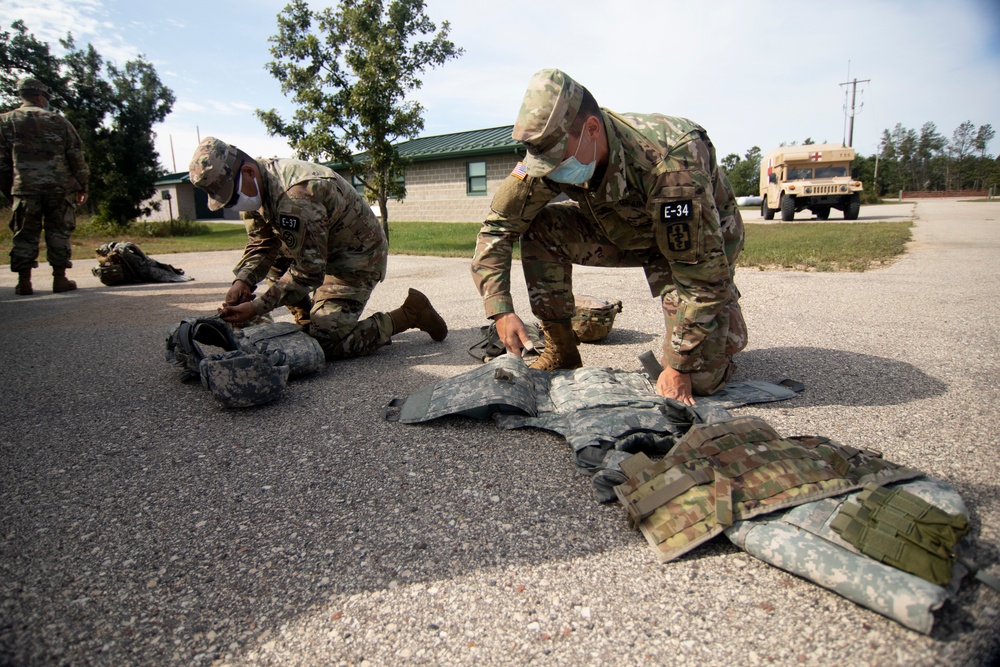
[{"x": 143, "y": 524}]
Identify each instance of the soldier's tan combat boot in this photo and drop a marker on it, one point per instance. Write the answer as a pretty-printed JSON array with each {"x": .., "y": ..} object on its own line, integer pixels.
[
  {"x": 60, "y": 283},
  {"x": 417, "y": 312},
  {"x": 560, "y": 351},
  {"x": 23, "y": 287}
]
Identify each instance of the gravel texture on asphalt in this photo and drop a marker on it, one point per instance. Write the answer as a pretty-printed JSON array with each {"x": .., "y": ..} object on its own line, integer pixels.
[{"x": 143, "y": 524}]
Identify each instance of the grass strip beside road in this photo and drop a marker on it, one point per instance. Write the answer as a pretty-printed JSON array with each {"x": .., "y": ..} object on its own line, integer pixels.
[
  {"x": 804, "y": 246},
  {"x": 824, "y": 246}
]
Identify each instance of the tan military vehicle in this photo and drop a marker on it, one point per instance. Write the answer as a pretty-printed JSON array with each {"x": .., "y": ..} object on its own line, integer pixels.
[{"x": 812, "y": 176}]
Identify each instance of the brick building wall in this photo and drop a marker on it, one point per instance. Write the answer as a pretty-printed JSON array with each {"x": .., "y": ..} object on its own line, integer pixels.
[{"x": 436, "y": 190}]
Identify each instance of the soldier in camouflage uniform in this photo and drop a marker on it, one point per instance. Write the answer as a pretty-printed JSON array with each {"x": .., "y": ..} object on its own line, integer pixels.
[
  {"x": 644, "y": 190},
  {"x": 44, "y": 175},
  {"x": 323, "y": 236}
]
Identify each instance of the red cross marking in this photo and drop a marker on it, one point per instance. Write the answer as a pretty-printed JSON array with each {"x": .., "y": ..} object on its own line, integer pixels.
[{"x": 816, "y": 157}]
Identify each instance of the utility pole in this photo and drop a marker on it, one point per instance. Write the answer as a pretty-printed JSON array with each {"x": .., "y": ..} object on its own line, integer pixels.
[{"x": 854, "y": 89}]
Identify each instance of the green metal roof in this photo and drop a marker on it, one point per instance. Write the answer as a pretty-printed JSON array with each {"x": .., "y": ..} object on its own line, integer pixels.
[
  {"x": 172, "y": 179},
  {"x": 491, "y": 141}
]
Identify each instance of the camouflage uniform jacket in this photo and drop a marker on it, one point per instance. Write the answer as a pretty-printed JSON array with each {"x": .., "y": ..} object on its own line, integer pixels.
[
  {"x": 40, "y": 152},
  {"x": 319, "y": 220},
  {"x": 662, "y": 189}
]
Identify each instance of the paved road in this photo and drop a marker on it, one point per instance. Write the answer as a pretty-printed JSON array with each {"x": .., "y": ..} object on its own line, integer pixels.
[{"x": 142, "y": 524}]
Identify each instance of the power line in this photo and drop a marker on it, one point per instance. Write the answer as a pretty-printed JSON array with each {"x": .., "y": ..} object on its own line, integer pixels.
[{"x": 849, "y": 139}]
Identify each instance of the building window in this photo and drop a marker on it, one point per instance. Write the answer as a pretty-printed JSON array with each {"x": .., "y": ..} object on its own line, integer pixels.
[
  {"x": 358, "y": 185},
  {"x": 475, "y": 178}
]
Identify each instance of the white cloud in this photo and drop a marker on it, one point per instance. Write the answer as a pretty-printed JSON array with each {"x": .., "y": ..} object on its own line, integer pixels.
[{"x": 753, "y": 72}]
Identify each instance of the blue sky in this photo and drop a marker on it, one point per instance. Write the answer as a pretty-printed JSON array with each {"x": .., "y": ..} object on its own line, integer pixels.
[{"x": 753, "y": 72}]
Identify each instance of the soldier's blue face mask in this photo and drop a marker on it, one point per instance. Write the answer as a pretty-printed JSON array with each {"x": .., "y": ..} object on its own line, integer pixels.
[{"x": 571, "y": 171}]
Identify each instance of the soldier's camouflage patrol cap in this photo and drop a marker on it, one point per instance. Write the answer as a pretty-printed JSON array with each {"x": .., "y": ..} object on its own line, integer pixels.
[
  {"x": 33, "y": 86},
  {"x": 550, "y": 106},
  {"x": 213, "y": 169}
]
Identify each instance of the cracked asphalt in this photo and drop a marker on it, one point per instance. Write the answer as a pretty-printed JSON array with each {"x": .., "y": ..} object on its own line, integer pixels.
[{"x": 143, "y": 524}]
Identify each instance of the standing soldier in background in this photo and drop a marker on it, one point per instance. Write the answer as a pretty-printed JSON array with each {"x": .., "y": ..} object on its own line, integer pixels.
[
  {"x": 318, "y": 233},
  {"x": 44, "y": 175},
  {"x": 644, "y": 190}
]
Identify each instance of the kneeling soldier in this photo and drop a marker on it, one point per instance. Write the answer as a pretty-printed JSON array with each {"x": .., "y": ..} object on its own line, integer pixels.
[{"x": 326, "y": 235}]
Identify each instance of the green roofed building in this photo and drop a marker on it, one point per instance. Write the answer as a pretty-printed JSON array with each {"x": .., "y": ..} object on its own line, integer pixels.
[
  {"x": 178, "y": 199},
  {"x": 451, "y": 177}
]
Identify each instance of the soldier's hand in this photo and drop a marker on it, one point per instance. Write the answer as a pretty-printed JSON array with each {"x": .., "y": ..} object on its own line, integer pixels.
[
  {"x": 81, "y": 198},
  {"x": 674, "y": 384},
  {"x": 512, "y": 333},
  {"x": 237, "y": 314},
  {"x": 239, "y": 293}
]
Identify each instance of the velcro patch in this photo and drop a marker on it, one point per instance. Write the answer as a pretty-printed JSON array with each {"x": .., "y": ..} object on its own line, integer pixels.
[
  {"x": 289, "y": 222},
  {"x": 673, "y": 211},
  {"x": 679, "y": 236},
  {"x": 520, "y": 171}
]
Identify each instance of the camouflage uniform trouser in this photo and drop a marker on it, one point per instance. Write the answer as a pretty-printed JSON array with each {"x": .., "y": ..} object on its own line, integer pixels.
[
  {"x": 54, "y": 211},
  {"x": 333, "y": 321},
  {"x": 336, "y": 307},
  {"x": 562, "y": 235}
]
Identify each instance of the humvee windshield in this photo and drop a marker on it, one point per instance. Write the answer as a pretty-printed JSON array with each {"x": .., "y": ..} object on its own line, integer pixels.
[{"x": 830, "y": 172}]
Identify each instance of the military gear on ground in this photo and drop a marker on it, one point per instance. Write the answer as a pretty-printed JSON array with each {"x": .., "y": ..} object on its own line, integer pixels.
[
  {"x": 593, "y": 317},
  {"x": 490, "y": 346},
  {"x": 110, "y": 273},
  {"x": 903, "y": 530},
  {"x": 561, "y": 351},
  {"x": 418, "y": 313},
  {"x": 801, "y": 541},
  {"x": 600, "y": 411},
  {"x": 23, "y": 287},
  {"x": 725, "y": 472},
  {"x": 193, "y": 339},
  {"x": 33, "y": 86},
  {"x": 239, "y": 379},
  {"x": 286, "y": 344},
  {"x": 124, "y": 262},
  {"x": 60, "y": 283}
]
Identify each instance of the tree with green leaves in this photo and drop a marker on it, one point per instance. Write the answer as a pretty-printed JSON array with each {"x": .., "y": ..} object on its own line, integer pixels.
[
  {"x": 128, "y": 154},
  {"x": 744, "y": 174},
  {"x": 984, "y": 136},
  {"x": 112, "y": 108},
  {"x": 348, "y": 69}
]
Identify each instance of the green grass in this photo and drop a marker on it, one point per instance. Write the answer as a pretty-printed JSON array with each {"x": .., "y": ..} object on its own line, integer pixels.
[
  {"x": 826, "y": 246},
  {"x": 153, "y": 238},
  {"x": 442, "y": 239}
]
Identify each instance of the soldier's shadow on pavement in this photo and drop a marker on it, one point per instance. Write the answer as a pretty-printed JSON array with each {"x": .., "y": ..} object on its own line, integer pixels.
[{"x": 837, "y": 377}]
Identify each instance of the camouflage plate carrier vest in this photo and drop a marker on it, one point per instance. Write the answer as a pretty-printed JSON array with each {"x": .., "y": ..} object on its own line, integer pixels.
[{"x": 725, "y": 472}]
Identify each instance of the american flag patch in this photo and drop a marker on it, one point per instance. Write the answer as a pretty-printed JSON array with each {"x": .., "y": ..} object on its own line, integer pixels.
[{"x": 520, "y": 171}]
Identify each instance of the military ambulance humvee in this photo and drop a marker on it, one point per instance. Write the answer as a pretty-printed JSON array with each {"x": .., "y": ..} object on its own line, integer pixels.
[{"x": 813, "y": 176}]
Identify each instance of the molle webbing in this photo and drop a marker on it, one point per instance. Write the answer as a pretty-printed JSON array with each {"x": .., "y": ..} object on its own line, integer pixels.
[
  {"x": 729, "y": 471},
  {"x": 900, "y": 529}
]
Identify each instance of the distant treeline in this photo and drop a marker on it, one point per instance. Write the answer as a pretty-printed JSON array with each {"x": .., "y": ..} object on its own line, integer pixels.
[{"x": 906, "y": 160}]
